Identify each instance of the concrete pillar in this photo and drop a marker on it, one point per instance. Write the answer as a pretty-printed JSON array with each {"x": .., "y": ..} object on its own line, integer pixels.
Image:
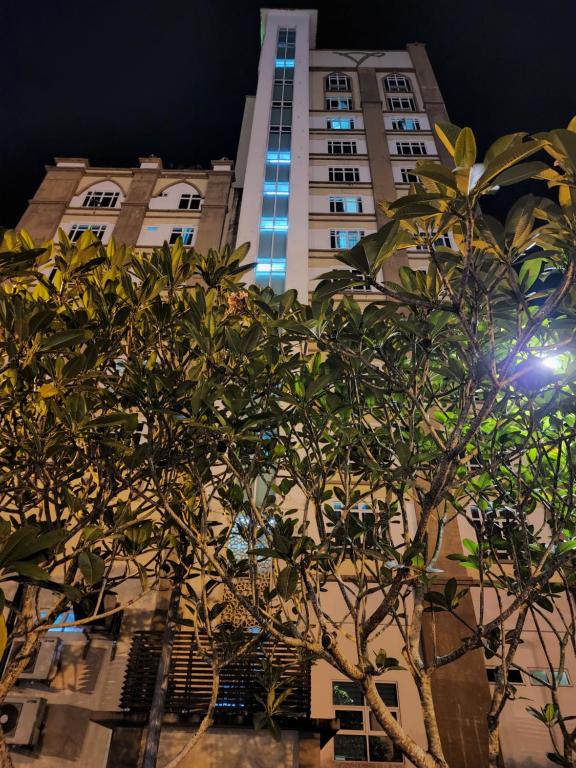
[
  {"x": 431, "y": 94},
  {"x": 131, "y": 216},
  {"x": 460, "y": 690},
  {"x": 378, "y": 158},
  {"x": 47, "y": 207},
  {"x": 211, "y": 229}
]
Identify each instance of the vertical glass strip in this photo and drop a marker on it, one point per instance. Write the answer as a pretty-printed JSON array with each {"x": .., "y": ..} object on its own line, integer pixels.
[{"x": 271, "y": 259}]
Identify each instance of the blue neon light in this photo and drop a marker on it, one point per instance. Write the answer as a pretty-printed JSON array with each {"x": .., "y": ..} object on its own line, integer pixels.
[
  {"x": 280, "y": 188},
  {"x": 277, "y": 157},
  {"x": 275, "y": 267},
  {"x": 274, "y": 225}
]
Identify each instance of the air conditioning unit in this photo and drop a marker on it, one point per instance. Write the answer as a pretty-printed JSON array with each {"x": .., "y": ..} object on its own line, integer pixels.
[
  {"x": 43, "y": 664},
  {"x": 21, "y": 720}
]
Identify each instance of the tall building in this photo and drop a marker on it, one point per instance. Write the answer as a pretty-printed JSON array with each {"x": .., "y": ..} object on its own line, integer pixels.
[{"x": 329, "y": 134}]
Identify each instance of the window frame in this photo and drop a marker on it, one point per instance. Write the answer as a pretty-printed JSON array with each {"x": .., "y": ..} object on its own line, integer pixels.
[
  {"x": 332, "y": 84},
  {"x": 398, "y": 121},
  {"x": 396, "y": 78},
  {"x": 77, "y": 230},
  {"x": 90, "y": 196},
  {"x": 403, "y": 103},
  {"x": 368, "y": 730},
  {"x": 192, "y": 197},
  {"x": 334, "y": 200},
  {"x": 335, "y": 234},
  {"x": 405, "y": 174},
  {"x": 401, "y": 146},
  {"x": 513, "y": 670},
  {"x": 179, "y": 231},
  {"x": 330, "y": 127},
  {"x": 342, "y": 144},
  {"x": 334, "y": 171},
  {"x": 338, "y": 104}
]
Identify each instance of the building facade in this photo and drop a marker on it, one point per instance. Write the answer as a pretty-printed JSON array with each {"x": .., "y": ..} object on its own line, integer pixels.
[
  {"x": 328, "y": 135},
  {"x": 142, "y": 206}
]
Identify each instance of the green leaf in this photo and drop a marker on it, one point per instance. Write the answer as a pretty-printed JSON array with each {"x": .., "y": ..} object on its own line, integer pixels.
[
  {"x": 505, "y": 160},
  {"x": 30, "y": 571},
  {"x": 117, "y": 419},
  {"x": 287, "y": 582},
  {"x": 519, "y": 173},
  {"x": 64, "y": 339},
  {"x": 448, "y": 134},
  {"x": 529, "y": 272},
  {"x": 465, "y": 149},
  {"x": 92, "y": 567}
]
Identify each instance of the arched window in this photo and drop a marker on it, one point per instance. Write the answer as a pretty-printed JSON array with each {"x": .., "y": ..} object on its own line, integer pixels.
[
  {"x": 397, "y": 84},
  {"x": 338, "y": 81},
  {"x": 104, "y": 194},
  {"x": 181, "y": 196}
]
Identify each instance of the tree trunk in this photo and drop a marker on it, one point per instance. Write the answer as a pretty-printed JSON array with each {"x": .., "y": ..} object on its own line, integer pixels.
[{"x": 161, "y": 686}]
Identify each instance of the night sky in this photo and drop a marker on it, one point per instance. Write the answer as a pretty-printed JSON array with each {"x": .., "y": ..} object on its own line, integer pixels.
[{"x": 115, "y": 79}]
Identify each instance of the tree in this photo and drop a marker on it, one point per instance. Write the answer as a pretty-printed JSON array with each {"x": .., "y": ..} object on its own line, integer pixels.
[
  {"x": 445, "y": 406},
  {"x": 73, "y": 528}
]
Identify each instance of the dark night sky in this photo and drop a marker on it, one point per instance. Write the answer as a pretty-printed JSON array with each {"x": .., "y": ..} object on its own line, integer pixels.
[{"x": 115, "y": 79}]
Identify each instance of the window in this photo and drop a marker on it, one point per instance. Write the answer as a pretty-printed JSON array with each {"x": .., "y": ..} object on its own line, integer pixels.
[
  {"x": 77, "y": 230},
  {"x": 411, "y": 148},
  {"x": 345, "y": 238},
  {"x": 360, "y": 737},
  {"x": 402, "y": 104},
  {"x": 186, "y": 233},
  {"x": 514, "y": 676},
  {"x": 335, "y": 103},
  {"x": 343, "y": 174},
  {"x": 544, "y": 677},
  {"x": 345, "y": 205},
  {"x": 342, "y": 148},
  {"x": 98, "y": 199},
  {"x": 189, "y": 202},
  {"x": 397, "y": 84},
  {"x": 406, "y": 124},
  {"x": 63, "y": 618},
  {"x": 497, "y": 525},
  {"x": 341, "y": 124},
  {"x": 337, "y": 81},
  {"x": 408, "y": 176}
]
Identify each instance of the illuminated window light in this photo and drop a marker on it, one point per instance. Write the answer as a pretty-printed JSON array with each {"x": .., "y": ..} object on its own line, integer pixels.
[
  {"x": 280, "y": 188},
  {"x": 286, "y": 63},
  {"x": 278, "y": 157},
  {"x": 274, "y": 225},
  {"x": 275, "y": 267}
]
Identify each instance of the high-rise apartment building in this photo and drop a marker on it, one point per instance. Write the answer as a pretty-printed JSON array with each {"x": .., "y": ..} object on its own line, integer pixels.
[{"x": 329, "y": 134}]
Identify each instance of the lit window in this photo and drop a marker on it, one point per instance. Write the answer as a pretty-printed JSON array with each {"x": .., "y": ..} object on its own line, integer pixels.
[
  {"x": 189, "y": 202},
  {"x": 101, "y": 199},
  {"x": 514, "y": 676},
  {"x": 408, "y": 176},
  {"x": 274, "y": 225},
  {"x": 406, "y": 124},
  {"x": 411, "y": 148},
  {"x": 338, "y": 102},
  {"x": 342, "y": 148},
  {"x": 397, "y": 84},
  {"x": 344, "y": 174},
  {"x": 360, "y": 737},
  {"x": 77, "y": 230},
  {"x": 281, "y": 188},
  {"x": 275, "y": 266},
  {"x": 337, "y": 81},
  {"x": 152, "y": 229},
  {"x": 345, "y": 238},
  {"x": 63, "y": 618},
  {"x": 186, "y": 233},
  {"x": 345, "y": 205},
  {"x": 401, "y": 104},
  {"x": 341, "y": 124},
  {"x": 277, "y": 157}
]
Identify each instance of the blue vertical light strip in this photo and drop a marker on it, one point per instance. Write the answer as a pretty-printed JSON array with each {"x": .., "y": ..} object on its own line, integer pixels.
[{"x": 272, "y": 246}]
